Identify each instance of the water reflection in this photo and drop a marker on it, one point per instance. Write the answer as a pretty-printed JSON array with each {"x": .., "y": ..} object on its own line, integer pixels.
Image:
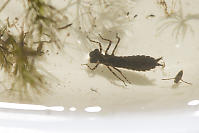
[
  {"x": 93, "y": 109},
  {"x": 72, "y": 109},
  {"x": 5, "y": 105},
  {"x": 193, "y": 103}
]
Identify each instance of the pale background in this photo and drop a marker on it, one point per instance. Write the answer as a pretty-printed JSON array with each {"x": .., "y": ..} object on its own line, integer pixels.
[{"x": 147, "y": 98}]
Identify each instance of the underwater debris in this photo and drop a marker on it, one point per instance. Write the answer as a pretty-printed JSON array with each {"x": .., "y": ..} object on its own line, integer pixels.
[
  {"x": 101, "y": 16},
  {"x": 169, "y": 8},
  {"x": 179, "y": 22}
]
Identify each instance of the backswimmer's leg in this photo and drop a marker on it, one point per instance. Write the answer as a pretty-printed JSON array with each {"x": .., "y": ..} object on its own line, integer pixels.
[
  {"x": 186, "y": 82},
  {"x": 168, "y": 79}
]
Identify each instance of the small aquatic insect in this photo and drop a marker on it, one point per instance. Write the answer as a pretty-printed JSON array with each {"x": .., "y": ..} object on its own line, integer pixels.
[
  {"x": 127, "y": 13},
  {"x": 137, "y": 62},
  {"x": 94, "y": 90},
  {"x": 178, "y": 78},
  {"x": 135, "y": 15},
  {"x": 150, "y": 16}
]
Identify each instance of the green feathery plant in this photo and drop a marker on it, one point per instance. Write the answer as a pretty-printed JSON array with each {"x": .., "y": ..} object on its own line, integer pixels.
[{"x": 19, "y": 53}]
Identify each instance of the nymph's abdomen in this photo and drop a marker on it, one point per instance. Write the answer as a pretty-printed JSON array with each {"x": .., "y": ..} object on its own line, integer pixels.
[{"x": 137, "y": 63}]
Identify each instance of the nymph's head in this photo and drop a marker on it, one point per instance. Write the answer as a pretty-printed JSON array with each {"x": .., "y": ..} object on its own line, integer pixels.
[{"x": 95, "y": 55}]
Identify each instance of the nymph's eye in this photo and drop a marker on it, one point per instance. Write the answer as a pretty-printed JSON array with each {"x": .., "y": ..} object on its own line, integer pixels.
[{"x": 95, "y": 52}]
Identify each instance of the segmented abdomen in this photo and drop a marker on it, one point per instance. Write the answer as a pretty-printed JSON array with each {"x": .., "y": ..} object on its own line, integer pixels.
[{"x": 138, "y": 62}]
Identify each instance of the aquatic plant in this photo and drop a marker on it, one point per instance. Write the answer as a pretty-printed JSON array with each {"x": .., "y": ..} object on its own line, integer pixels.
[
  {"x": 92, "y": 17},
  {"x": 17, "y": 59},
  {"x": 43, "y": 21},
  {"x": 179, "y": 22},
  {"x": 4, "y": 5},
  {"x": 23, "y": 40},
  {"x": 169, "y": 8},
  {"x": 21, "y": 49}
]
